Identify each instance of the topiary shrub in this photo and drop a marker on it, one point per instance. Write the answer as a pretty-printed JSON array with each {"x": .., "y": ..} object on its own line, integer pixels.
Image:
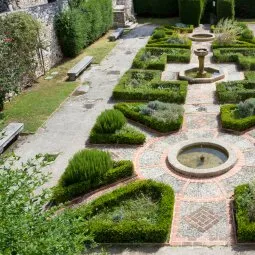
[
  {"x": 190, "y": 11},
  {"x": 87, "y": 171},
  {"x": 159, "y": 34},
  {"x": 111, "y": 128},
  {"x": 109, "y": 122},
  {"x": 225, "y": 9},
  {"x": 158, "y": 8}
]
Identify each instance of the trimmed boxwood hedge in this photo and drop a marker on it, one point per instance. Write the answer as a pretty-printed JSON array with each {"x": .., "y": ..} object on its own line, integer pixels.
[
  {"x": 159, "y": 58},
  {"x": 111, "y": 128},
  {"x": 229, "y": 121},
  {"x": 121, "y": 169},
  {"x": 235, "y": 91},
  {"x": 245, "y": 228},
  {"x": 158, "y": 8},
  {"x": 82, "y": 24},
  {"x": 225, "y": 9},
  {"x": 162, "y": 43},
  {"x": 162, "y": 126},
  {"x": 191, "y": 11},
  {"x": 245, "y": 9},
  {"x": 127, "y": 231},
  {"x": 165, "y": 91}
]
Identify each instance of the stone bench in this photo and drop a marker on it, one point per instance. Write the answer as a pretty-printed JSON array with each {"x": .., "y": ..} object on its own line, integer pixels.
[
  {"x": 79, "y": 67},
  {"x": 116, "y": 34},
  {"x": 9, "y": 133}
]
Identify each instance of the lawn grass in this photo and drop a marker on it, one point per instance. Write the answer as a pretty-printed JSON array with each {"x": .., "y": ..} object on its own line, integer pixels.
[
  {"x": 158, "y": 21},
  {"x": 34, "y": 106}
]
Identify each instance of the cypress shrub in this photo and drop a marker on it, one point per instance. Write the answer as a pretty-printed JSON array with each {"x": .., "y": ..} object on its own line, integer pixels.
[
  {"x": 191, "y": 11},
  {"x": 245, "y": 9},
  {"x": 225, "y": 9},
  {"x": 160, "y": 8},
  {"x": 82, "y": 24}
]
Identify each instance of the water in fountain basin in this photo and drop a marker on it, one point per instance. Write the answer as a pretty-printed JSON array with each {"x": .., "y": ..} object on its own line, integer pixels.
[{"x": 202, "y": 157}]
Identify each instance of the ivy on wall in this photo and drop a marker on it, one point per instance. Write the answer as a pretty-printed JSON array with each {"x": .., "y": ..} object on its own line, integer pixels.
[{"x": 19, "y": 51}]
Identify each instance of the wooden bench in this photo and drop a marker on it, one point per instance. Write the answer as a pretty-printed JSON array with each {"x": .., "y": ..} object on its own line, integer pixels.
[
  {"x": 116, "y": 34},
  {"x": 9, "y": 133},
  {"x": 79, "y": 67}
]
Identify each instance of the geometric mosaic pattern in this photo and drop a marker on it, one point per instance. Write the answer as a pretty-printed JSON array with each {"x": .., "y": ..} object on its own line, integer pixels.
[{"x": 202, "y": 219}]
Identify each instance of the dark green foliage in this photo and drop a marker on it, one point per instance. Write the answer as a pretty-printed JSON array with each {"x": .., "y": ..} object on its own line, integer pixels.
[
  {"x": 159, "y": 34},
  {"x": 133, "y": 112},
  {"x": 191, "y": 11},
  {"x": 158, "y": 8},
  {"x": 231, "y": 120},
  {"x": 250, "y": 76},
  {"x": 82, "y": 24},
  {"x": 247, "y": 108},
  {"x": 119, "y": 170},
  {"x": 235, "y": 91},
  {"x": 109, "y": 122},
  {"x": 125, "y": 230},
  {"x": 245, "y": 9},
  {"x": 150, "y": 90},
  {"x": 225, "y": 9},
  {"x": 86, "y": 165},
  {"x": 245, "y": 227},
  {"x": 157, "y": 58},
  {"x": 111, "y": 128}
]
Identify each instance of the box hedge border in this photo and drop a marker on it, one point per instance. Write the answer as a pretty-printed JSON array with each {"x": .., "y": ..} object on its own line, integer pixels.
[
  {"x": 129, "y": 231},
  {"x": 149, "y": 121},
  {"x": 245, "y": 228},
  {"x": 121, "y": 169}
]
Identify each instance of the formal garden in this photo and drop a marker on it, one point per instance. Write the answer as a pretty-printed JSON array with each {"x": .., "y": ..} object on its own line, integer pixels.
[{"x": 152, "y": 144}]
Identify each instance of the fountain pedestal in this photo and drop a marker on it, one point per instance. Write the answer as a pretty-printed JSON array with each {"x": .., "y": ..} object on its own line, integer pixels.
[{"x": 201, "y": 53}]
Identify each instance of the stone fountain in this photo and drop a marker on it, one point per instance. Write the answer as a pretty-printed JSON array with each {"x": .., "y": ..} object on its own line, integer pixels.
[{"x": 202, "y": 73}]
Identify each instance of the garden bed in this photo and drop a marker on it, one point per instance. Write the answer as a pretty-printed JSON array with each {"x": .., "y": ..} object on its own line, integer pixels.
[
  {"x": 150, "y": 89},
  {"x": 235, "y": 91},
  {"x": 230, "y": 119},
  {"x": 89, "y": 170},
  {"x": 140, "y": 212},
  {"x": 162, "y": 117},
  {"x": 157, "y": 58},
  {"x": 245, "y": 226}
]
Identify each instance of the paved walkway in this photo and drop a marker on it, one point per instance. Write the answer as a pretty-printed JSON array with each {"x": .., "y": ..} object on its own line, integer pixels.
[{"x": 68, "y": 129}]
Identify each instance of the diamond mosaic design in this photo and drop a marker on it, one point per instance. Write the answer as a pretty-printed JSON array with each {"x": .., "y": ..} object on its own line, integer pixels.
[{"x": 202, "y": 219}]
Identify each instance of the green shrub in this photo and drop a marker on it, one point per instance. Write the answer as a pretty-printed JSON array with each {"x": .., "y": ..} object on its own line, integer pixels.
[
  {"x": 247, "y": 34},
  {"x": 235, "y": 91},
  {"x": 82, "y": 24},
  {"x": 159, "y": 34},
  {"x": 231, "y": 120},
  {"x": 190, "y": 11},
  {"x": 158, "y": 8},
  {"x": 225, "y": 9},
  {"x": 112, "y": 129},
  {"x": 151, "y": 90},
  {"x": 135, "y": 111},
  {"x": 246, "y": 63},
  {"x": 108, "y": 223},
  {"x": 109, "y": 122},
  {"x": 245, "y": 9},
  {"x": 250, "y": 76},
  {"x": 86, "y": 165},
  {"x": 118, "y": 170},
  {"x": 244, "y": 205}
]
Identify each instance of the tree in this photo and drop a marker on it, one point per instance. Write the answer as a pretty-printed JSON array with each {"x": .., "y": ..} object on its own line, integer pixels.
[{"x": 26, "y": 228}]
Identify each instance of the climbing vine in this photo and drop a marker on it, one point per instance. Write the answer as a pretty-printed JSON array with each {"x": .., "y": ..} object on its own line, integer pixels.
[{"x": 19, "y": 52}]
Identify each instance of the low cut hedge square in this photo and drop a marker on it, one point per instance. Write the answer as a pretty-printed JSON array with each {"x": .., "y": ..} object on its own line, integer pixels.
[{"x": 120, "y": 228}]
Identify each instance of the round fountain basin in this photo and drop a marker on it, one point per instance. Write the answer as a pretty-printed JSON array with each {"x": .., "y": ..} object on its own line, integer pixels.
[
  {"x": 202, "y": 158},
  {"x": 202, "y": 37}
]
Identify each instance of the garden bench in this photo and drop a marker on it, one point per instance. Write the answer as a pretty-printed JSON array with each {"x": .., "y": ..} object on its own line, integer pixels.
[
  {"x": 79, "y": 67},
  {"x": 116, "y": 34},
  {"x": 9, "y": 133}
]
